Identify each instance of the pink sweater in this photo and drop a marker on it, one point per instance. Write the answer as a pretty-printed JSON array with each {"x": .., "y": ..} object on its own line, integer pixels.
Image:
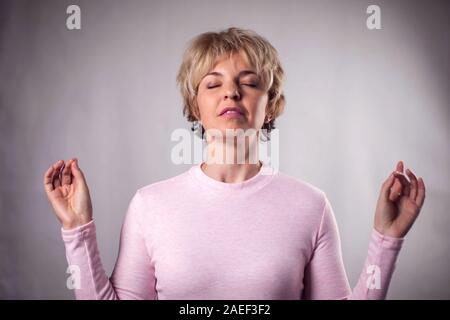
[{"x": 193, "y": 237}]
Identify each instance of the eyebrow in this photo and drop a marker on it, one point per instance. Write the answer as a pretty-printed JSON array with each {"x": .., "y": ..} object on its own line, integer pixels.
[{"x": 242, "y": 73}]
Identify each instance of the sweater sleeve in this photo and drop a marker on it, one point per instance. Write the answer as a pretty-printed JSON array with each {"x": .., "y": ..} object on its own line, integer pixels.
[
  {"x": 325, "y": 276},
  {"x": 133, "y": 276}
]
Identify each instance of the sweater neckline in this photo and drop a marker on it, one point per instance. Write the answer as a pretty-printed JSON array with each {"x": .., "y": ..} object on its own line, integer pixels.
[{"x": 264, "y": 176}]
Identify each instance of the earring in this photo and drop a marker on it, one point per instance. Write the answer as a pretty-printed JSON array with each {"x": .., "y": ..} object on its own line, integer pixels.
[
  {"x": 195, "y": 126},
  {"x": 268, "y": 125}
]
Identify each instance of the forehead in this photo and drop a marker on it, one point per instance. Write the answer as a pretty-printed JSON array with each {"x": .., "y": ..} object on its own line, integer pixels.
[{"x": 236, "y": 61}]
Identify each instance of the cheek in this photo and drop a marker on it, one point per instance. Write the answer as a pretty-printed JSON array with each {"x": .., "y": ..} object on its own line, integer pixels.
[
  {"x": 263, "y": 102},
  {"x": 260, "y": 105},
  {"x": 206, "y": 104}
]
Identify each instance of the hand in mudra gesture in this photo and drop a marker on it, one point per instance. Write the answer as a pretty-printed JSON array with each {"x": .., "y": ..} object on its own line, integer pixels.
[
  {"x": 399, "y": 203},
  {"x": 68, "y": 193}
]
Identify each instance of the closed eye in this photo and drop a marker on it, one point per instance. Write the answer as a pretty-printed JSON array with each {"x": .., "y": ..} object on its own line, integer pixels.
[{"x": 245, "y": 84}]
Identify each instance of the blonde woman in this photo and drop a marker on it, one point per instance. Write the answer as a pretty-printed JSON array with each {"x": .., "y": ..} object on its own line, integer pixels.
[{"x": 230, "y": 230}]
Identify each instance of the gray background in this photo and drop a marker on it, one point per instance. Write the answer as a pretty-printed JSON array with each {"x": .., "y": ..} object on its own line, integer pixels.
[{"x": 358, "y": 100}]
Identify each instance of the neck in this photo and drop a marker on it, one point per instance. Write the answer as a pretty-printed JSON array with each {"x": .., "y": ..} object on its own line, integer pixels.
[{"x": 232, "y": 161}]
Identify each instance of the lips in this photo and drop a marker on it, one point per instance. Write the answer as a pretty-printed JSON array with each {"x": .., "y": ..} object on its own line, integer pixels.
[{"x": 232, "y": 109}]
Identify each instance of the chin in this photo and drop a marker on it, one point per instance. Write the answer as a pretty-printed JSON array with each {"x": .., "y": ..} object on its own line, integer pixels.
[{"x": 233, "y": 127}]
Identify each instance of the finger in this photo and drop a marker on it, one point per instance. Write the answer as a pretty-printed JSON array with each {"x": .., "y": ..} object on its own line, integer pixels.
[
  {"x": 76, "y": 171},
  {"x": 67, "y": 173},
  {"x": 405, "y": 183},
  {"x": 48, "y": 177},
  {"x": 400, "y": 166},
  {"x": 420, "y": 192},
  {"x": 56, "y": 172},
  {"x": 60, "y": 172},
  {"x": 413, "y": 179},
  {"x": 396, "y": 189},
  {"x": 385, "y": 188}
]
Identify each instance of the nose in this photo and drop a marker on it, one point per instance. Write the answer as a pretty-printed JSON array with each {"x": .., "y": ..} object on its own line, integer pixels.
[{"x": 232, "y": 92}]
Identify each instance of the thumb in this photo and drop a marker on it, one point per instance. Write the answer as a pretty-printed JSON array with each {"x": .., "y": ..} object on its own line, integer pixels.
[
  {"x": 76, "y": 171},
  {"x": 386, "y": 189}
]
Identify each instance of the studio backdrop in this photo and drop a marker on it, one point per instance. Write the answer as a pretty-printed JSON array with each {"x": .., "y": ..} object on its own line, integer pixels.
[{"x": 367, "y": 84}]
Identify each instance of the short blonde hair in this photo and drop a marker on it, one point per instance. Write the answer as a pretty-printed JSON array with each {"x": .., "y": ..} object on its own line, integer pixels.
[{"x": 203, "y": 51}]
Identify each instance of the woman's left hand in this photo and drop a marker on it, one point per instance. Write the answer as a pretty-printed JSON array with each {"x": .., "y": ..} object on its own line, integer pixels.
[{"x": 399, "y": 203}]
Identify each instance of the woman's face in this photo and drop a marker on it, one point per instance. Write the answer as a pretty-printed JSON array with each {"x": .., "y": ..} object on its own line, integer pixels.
[{"x": 232, "y": 83}]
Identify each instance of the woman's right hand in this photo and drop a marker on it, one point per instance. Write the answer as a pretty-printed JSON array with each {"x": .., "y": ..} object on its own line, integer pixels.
[{"x": 68, "y": 193}]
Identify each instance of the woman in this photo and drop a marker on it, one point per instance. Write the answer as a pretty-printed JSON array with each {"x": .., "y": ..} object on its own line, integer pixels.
[{"x": 230, "y": 229}]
